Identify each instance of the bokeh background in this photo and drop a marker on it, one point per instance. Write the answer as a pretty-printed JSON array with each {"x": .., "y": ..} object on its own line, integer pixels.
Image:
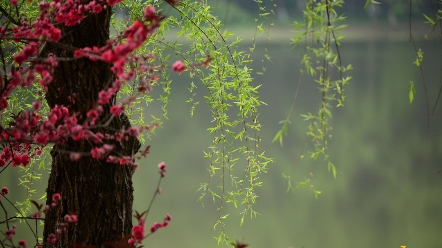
[{"x": 388, "y": 188}]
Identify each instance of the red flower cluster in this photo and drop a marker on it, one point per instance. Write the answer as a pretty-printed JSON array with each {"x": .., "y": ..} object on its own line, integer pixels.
[
  {"x": 158, "y": 225},
  {"x": 10, "y": 233},
  {"x": 56, "y": 198},
  {"x": 20, "y": 156},
  {"x": 138, "y": 231},
  {"x": 22, "y": 243}
]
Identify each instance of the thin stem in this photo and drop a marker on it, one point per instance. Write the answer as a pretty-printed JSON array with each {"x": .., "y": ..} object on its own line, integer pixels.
[
  {"x": 18, "y": 211},
  {"x": 153, "y": 197},
  {"x": 9, "y": 16}
]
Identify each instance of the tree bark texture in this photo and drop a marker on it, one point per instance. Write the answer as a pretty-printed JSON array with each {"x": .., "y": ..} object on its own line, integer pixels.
[{"x": 100, "y": 193}]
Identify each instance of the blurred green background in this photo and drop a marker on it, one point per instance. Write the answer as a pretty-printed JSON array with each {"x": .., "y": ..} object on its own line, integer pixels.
[
  {"x": 388, "y": 189},
  {"x": 387, "y": 192}
]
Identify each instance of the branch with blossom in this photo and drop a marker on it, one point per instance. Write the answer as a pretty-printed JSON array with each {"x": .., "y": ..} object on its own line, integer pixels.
[{"x": 26, "y": 132}]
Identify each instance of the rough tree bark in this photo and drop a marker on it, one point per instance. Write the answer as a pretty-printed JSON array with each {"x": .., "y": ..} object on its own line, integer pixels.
[{"x": 100, "y": 193}]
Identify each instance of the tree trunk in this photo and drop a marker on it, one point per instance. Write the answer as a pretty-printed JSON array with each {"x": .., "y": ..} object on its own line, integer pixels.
[{"x": 100, "y": 193}]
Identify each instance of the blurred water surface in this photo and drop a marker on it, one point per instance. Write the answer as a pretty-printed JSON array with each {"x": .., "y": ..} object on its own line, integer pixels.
[{"x": 387, "y": 191}]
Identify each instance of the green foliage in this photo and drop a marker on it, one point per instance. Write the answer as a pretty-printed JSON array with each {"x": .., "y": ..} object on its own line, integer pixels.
[
  {"x": 411, "y": 91},
  {"x": 236, "y": 140},
  {"x": 319, "y": 34},
  {"x": 283, "y": 131},
  {"x": 430, "y": 21},
  {"x": 419, "y": 58},
  {"x": 370, "y": 2},
  {"x": 433, "y": 23}
]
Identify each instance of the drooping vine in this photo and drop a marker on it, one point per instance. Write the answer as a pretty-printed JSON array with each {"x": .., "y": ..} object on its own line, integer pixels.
[
  {"x": 235, "y": 154},
  {"x": 322, "y": 65}
]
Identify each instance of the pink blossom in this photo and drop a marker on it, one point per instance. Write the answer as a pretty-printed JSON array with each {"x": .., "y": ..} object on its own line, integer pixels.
[
  {"x": 78, "y": 133},
  {"x": 104, "y": 97},
  {"x": 112, "y": 159},
  {"x": 92, "y": 114},
  {"x": 55, "y": 33},
  {"x": 6, "y": 153},
  {"x": 25, "y": 159},
  {"x": 9, "y": 233},
  {"x": 178, "y": 66},
  {"x": 56, "y": 197},
  {"x": 97, "y": 8},
  {"x": 22, "y": 243},
  {"x": 138, "y": 232},
  {"x": 137, "y": 33},
  {"x": 131, "y": 241},
  {"x": 119, "y": 136},
  {"x": 97, "y": 152},
  {"x": 74, "y": 156},
  {"x": 67, "y": 218},
  {"x": 116, "y": 110},
  {"x": 5, "y": 191},
  {"x": 52, "y": 239},
  {"x": 162, "y": 167},
  {"x": 116, "y": 85},
  {"x": 99, "y": 109},
  {"x": 38, "y": 151},
  {"x": 16, "y": 160},
  {"x": 36, "y": 105},
  {"x": 168, "y": 217},
  {"x": 42, "y": 138},
  {"x": 118, "y": 67},
  {"x": 133, "y": 132},
  {"x": 109, "y": 56},
  {"x": 57, "y": 113},
  {"x": 155, "y": 227},
  {"x": 125, "y": 160},
  {"x": 149, "y": 13},
  {"x": 98, "y": 137},
  {"x": 74, "y": 218},
  {"x": 113, "y": 2},
  {"x": 70, "y": 121},
  {"x": 70, "y": 218},
  {"x": 28, "y": 78},
  {"x": 27, "y": 52},
  {"x": 108, "y": 147},
  {"x": 36, "y": 215}
]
